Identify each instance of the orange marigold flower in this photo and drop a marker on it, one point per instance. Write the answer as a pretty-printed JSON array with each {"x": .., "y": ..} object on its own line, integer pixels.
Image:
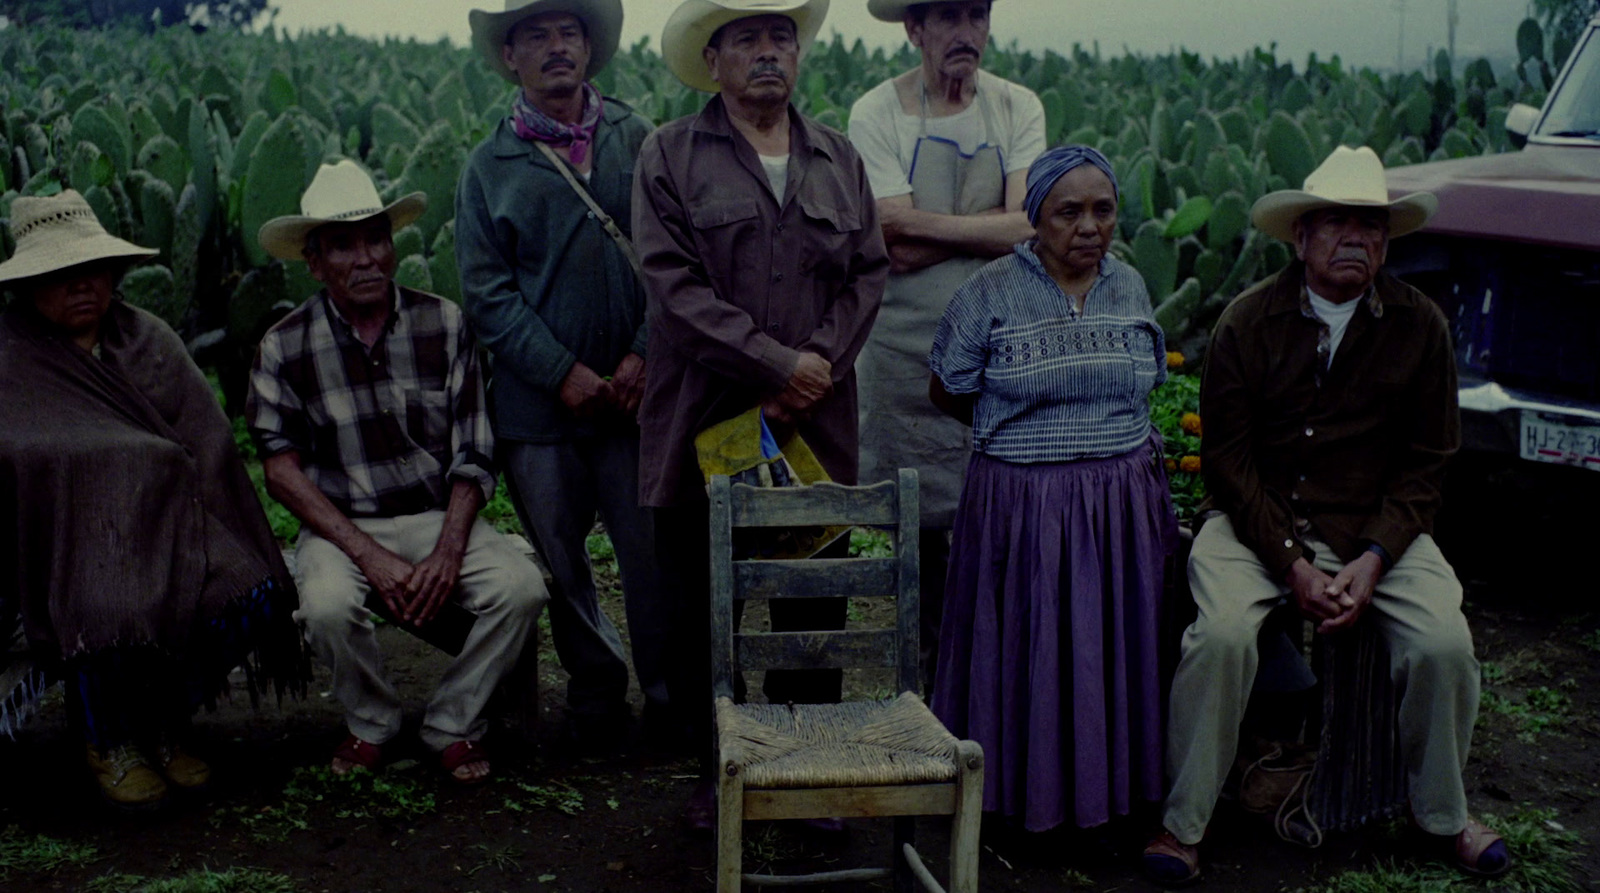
[
  {"x": 1172, "y": 464},
  {"x": 1175, "y": 360},
  {"x": 1189, "y": 463},
  {"x": 1190, "y": 423}
]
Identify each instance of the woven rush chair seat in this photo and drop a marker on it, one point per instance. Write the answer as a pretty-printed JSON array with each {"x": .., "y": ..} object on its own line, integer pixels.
[
  {"x": 893, "y": 742},
  {"x": 889, "y": 757}
]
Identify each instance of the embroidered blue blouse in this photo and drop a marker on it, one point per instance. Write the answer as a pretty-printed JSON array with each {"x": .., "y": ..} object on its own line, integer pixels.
[{"x": 1053, "y": 385}]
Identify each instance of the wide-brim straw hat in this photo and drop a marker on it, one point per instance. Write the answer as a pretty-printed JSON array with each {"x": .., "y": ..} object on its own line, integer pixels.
[
  {"x": 60, "y": 231},
  {"x": 692, "y": 24},
  {"x": 602, "y": 21},
  {"x": 1348, "y": 178},
  {"x": 339, "y": 193},
  {"x": 895, "y": 10}
]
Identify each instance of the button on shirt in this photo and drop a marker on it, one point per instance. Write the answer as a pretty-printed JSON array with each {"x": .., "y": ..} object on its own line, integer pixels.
[
  {"x": 1351, "y": 444},
  {"x": 381, "y": 431}
]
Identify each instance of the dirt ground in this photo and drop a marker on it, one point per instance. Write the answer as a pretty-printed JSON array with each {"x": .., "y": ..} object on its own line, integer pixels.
[{"x": 558, "y": 820}]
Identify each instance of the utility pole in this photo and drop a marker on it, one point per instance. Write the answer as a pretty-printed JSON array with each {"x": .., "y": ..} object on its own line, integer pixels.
[
  {"x": 1452, "y": 18},
  {"x": 1400, "y": 46}
]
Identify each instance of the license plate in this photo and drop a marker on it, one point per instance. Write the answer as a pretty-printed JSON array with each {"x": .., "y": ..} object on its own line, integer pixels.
[{"x": 1544, "y": 440}]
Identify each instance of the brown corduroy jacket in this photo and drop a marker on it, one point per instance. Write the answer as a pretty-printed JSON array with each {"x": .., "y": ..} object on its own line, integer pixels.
[{"x": 1357, "y": 453}]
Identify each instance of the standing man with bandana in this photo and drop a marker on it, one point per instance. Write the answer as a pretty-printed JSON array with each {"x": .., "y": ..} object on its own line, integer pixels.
[
  {"x": 548, "y": 283},
  {"x": 947, "y": 149},
  {"x": 765, "y": 267}
]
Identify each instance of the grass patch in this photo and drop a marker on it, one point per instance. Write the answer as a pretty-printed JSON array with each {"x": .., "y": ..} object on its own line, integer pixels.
[
  {"x": 234, "y": 880},
  {"x": 1541, "y": 710},
  {"x": 1590, "y": 640},
  {"x": 500, "y": 513},
  {"x": 1542, "y": 853},
  {"x": 37, "y": 854},
  {"x": 562, "y": 798},
  {"x": 359, "y": 795},
  {"x": 866, "y": 542}
]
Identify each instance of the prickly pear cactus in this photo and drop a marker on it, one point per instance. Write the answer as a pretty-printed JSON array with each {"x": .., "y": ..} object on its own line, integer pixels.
[
  {"x": 249, "y": 136},
  {"x": 433, "y": 169},
  {"x": 274, "y": 180},
  {"x": 1288, "y": 149},
  {"x": 89, "y": 167},
  {"x": 157, "y": 211},
  {"x": 1156, "y": 258},
  {"x": 391, "y": 128},
  {"x": 408, "y": 242},
  {"x": 188, "y": 229},
  {"x": 151, "y": 288},
  {"x": 166, "y": 160},
  {"x": 1173, "y": 314},
  {"x": 442, "y": 264},
  {"x": 260, "y": 293},
  {"x": 105, "y": 208},
  {"x": 96, "y": 125},
  {"x": 202, "y": 145},
  {"x": 413, "y": 273}
]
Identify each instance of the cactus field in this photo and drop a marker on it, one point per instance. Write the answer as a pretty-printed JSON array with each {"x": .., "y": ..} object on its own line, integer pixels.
[{"x": 188, "y": 143}]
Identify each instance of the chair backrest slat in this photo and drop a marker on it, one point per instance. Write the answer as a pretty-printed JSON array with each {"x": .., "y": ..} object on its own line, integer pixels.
[
  {"x": 888, "y": 504},
  {"x": 819, "y": 505},
  {"x": 816, "y": 650},
  {"x": 817, "y": 578}
]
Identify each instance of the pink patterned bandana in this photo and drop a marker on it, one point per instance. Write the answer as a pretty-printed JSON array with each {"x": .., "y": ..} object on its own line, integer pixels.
[{"x": 532, "y": 124}]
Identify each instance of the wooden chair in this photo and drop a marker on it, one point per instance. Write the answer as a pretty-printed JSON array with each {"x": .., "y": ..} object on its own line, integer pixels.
[{"x": 879, "y": 758}]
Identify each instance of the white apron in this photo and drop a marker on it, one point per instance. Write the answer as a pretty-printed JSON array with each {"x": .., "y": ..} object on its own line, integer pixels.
[{"x": 900, "y": 427}]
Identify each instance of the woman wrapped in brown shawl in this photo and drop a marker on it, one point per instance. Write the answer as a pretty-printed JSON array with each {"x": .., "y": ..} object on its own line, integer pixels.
[{"x": 132, "y": 546}]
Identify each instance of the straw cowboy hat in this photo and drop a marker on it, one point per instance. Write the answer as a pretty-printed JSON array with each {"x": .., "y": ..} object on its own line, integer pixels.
[
  {"x": 693, "y": 23},
  {"x": 339, "y": 193},
  {"x": 60, "y": 231},
  {"x": 602, "y": 21},
  {"x": 895, "y": 10},
  {"x": 1350, "y": 178}
]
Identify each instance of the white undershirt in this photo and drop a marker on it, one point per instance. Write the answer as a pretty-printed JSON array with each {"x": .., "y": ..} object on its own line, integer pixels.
[
  {"x": 1337, "y": 317},
  {"x": 777, "y": 168}
]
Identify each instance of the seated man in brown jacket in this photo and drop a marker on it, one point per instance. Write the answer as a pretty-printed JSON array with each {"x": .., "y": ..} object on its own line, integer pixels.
[{"x": 1330, "y": 407}]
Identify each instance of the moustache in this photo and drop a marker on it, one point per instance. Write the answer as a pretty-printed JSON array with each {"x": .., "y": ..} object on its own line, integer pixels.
[
  {"x": 962, "y": 51},
  {"x": 1352, "y": 254},
  {"x": 558, "y": 63},
  {"x": 767, "y": 68}
]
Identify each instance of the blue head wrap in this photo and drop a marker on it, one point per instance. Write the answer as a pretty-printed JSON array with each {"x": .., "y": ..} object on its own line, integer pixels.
[{"x": 1057, "y": 163}]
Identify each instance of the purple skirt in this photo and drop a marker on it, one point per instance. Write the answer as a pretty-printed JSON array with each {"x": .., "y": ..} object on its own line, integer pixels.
[{"x": 1048, "y": 650}]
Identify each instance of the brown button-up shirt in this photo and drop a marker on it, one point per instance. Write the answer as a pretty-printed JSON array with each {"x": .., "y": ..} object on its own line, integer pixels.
[
  {"x": 1354, "y": 449},
  {"x": 740, "y": 284}
]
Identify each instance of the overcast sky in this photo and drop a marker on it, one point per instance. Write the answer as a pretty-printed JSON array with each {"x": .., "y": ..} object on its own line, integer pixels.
[{"x": 1362, "y": 32}]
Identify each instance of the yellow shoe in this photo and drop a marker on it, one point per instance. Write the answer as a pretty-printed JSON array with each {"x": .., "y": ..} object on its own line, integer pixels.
[
  {"x": 181, "y": 768},
  {"x": 125, "y": 778}
]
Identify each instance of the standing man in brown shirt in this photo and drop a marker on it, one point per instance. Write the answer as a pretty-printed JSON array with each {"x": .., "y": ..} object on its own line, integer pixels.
[
  {"x": 764, "y": 266},
  {"x": 1329, "y": 402}
]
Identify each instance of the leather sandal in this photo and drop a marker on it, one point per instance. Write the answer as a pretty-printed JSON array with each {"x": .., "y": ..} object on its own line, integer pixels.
[
  {"x": 360, "y": 754},
  {"x": 1170, "y": 862},
  {"x": 1480, "y": 851},
  {"x": 459, "y": 754}
]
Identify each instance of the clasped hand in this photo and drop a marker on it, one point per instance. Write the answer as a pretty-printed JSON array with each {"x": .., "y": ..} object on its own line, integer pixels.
[
  {"x": 811, "y": 381},
  {"x": 414, "y": 593},
  {"x": 1335, "y": 602}
]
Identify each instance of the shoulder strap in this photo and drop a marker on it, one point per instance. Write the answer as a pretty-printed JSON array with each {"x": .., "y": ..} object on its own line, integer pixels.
[{"x": 610, "y": 225}]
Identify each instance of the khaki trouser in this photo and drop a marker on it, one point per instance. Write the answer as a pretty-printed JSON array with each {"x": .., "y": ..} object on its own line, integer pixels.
[
  {"x": 1417, "y": 607},
  {"x": 497, "y": 583}
]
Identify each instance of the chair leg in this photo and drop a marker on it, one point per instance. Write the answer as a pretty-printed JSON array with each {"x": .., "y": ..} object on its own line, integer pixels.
[
  {"x": 730, "y": 827},
  {"x": 967, "y": 818},
  {"x": 905, "y": 832}
]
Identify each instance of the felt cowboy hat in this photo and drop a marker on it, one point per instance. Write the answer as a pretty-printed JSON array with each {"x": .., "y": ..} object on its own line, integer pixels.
[
  {"x": 895, "y": 10},
  {"x": 339, "y": 193},
  {"x": 602, "y": 21},
  {"x": 694, "y": 22},
  {"x": 60, "y": 231},
  {"x": 1350, "y": 178}
]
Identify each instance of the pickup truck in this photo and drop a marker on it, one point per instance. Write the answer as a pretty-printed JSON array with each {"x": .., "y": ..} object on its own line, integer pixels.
[{"x": 1513, "y": 257}]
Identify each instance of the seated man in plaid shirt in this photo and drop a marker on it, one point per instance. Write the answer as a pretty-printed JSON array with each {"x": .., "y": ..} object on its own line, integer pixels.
[{"x": 368, "y": 407}]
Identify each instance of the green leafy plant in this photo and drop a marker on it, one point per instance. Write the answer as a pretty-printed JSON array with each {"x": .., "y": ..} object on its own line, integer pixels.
[
  {"x": 1175, "y": 412},
  {"x": 389, "y": 795},
  {"x": 234, "y": 880},
  {"x": 36, "y": 854}
]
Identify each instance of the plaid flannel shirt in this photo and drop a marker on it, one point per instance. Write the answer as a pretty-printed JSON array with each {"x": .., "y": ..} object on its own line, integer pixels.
[{"x": 381, "y": 431}]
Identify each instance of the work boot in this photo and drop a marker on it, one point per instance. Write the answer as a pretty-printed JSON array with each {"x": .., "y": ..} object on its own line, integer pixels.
[
  {"x": 181, "y": 768},
  {"x": 125, "y": 778}
]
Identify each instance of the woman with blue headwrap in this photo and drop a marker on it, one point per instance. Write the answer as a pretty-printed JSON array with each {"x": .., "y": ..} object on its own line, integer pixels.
[{"x": 1047, "y": 654}]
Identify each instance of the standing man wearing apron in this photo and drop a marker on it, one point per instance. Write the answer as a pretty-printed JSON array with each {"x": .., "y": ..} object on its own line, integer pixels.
[{"x": 947, "y": 150}]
